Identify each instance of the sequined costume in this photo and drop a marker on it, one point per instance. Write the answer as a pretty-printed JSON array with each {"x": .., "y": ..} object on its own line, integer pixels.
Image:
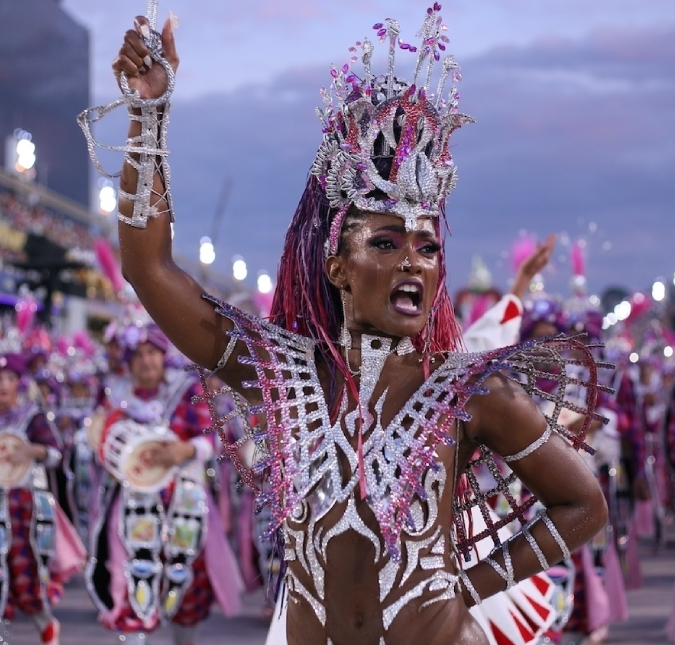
[
  {"x": 39, "y": 548},
  {"x": 312, "y": 463},
  {"x": 168, "y": 585}
]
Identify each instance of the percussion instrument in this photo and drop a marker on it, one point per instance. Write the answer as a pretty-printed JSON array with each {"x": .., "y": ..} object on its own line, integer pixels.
[
  {"x": 126, "y": 450},
  {"x": 12, "y": 475}
]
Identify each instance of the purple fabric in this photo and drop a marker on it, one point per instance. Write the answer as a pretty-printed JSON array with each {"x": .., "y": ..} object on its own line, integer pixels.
[
  {"x": 541, "y": 310},
  {"x": 133, "y": 336},
  {"x": 14, "y": 363}
]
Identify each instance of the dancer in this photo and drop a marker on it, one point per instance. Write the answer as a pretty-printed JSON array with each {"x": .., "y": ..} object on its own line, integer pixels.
[
  {"x": 39, "y": 549},
  {"x": 366, "y": 411},
  {"x": 159, "y": 551}
]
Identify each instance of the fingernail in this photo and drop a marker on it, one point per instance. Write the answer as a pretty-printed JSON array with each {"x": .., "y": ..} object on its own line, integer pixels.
[
  {"x": 148, "y": 62},
  {"x": 145, "y": 31},
  {"x": 173, "y": 19}
]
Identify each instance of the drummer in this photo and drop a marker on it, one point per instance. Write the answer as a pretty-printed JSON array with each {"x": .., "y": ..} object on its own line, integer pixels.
[
  {"x": 31, "y": 570},
  {"x": 159, "y": 552}
]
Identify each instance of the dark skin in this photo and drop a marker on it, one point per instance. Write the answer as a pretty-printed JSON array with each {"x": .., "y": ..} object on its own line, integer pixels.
[{"x": 370, "y": 265}]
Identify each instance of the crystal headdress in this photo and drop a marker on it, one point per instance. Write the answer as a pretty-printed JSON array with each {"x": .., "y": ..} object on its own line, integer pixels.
[{"x": 386, "y": 142}]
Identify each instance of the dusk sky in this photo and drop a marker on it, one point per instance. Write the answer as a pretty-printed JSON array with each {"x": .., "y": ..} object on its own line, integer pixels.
[{"x": 574, "y": 102}]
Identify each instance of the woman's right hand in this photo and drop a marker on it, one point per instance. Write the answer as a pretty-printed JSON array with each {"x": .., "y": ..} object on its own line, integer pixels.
[{"x": 144, "y": 75}]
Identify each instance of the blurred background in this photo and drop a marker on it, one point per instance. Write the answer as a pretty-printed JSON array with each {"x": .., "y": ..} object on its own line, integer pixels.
[{"x": 574, "y": 135}]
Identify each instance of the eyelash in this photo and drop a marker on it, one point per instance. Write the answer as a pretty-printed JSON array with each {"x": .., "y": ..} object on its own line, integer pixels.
[{"x": 387, "y": 244}]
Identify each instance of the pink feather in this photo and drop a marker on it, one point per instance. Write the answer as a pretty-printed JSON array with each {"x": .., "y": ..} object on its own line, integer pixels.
[
  {"x": 25, "y": 315},
  {"x": 82, "y": 341},
  {"x": 522, "y": 249},
  {"x": 62, "y": 345},
  {"x": 108, "y": 264},
  {"x": 578, "y": 258}
]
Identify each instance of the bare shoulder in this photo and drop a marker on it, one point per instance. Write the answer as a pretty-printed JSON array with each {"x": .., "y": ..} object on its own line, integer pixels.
[{"x": 503, "y": 413}]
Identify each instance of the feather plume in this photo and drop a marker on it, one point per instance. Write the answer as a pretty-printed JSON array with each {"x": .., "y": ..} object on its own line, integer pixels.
[
  {"x": 578, "y": 258},
  {"x": 108, "y": 264},
  {"x": 522, "y": 249}
]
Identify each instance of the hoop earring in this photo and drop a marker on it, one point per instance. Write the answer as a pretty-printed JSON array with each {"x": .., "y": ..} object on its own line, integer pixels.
[
  {"x": 345, "y": 337},
  {"x": 405, "y": 264}
]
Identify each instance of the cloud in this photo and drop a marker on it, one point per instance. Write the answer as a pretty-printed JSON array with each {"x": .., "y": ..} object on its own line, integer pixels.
[{"x": 571, "y": 135}]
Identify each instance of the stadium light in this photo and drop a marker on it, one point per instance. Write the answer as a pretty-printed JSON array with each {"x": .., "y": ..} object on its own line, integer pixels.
[
  {"x": 239, "y": 269},
  {"x": 658, "y": 291},
  {"x": 207, "y": 254},
  {"x": 107, "y": 198},
  {"x": 264, "y": 282},
  {"x": 20, "y": 153}
]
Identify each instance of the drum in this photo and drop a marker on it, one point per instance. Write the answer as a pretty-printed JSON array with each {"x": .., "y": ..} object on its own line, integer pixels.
[
  {"x": 126, "y": 445},
  {"x": 12, "y": 475}
]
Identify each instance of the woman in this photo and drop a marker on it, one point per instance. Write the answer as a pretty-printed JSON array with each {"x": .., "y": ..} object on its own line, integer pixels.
[
  {"x": 39, "y": 548},
  {"x": 137, "y": 582},
  {"x": 364, "y": 452}
]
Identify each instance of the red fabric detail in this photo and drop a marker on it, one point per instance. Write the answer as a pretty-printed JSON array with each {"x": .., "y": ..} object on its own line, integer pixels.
[
  {"x": 535, "y": 627},
  {"x": 49, "y": 633},
  {"x": 544, "y": 612},
  {"x": 499, "y": 636},
  {"x": 541, "y": 583},
  {"x": 512, "y": 311},
  {"x": 525, "y": 632}
]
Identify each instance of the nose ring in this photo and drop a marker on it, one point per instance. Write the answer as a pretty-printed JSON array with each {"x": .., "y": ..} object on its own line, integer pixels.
[{"x": 405, "y": 264}]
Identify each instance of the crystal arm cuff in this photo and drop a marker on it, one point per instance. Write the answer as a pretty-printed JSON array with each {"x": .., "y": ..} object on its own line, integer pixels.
[
  {"x": 470, "y": 588},
  {"x": 529, "y": 449}
]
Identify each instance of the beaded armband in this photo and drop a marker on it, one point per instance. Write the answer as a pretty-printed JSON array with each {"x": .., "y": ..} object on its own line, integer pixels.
[
  {"x": 470, "y": 588},
  {"x": 555, "y": 533},
  {"x": 506, "y": 574},
  {"x": 528, "y": 450},
  {"x": 226, "y": 354},
  {"x": 147, "y": 153}
]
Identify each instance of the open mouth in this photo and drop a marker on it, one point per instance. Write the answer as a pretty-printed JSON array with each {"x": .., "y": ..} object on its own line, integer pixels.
[{"x": 406, "y": 298}]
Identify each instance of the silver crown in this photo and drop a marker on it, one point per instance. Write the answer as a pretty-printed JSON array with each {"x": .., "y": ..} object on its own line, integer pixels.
[{"x": 386, "y": 142}]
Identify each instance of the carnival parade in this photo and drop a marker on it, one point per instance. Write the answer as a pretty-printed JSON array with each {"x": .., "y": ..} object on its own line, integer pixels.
[{"x": 432, "y": 416}]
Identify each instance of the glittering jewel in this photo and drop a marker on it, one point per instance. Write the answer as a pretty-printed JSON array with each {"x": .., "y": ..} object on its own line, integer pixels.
[
  {"x": 367, "y": 118},
  {"x": 301, "y": 447}
]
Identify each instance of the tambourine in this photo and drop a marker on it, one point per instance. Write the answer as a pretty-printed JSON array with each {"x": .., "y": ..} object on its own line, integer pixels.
[
  {"x": 12, "y": 475},
  {"x": 125, "y": 452}
]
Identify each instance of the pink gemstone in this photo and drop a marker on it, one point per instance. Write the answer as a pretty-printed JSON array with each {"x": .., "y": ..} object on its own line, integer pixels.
[
  {"x": 382, "y": 33},
  {"x": 403, "y": 45}
]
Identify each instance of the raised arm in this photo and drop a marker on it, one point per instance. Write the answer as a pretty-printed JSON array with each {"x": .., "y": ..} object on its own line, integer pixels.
[
  {"x": 171, "y": 296},
  {"x": 532, "y": 265},
  {"x": 508, "y": 422}
]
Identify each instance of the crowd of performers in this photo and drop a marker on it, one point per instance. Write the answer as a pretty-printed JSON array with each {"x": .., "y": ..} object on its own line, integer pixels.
[
  {"x": 107, "y": 470},
  {"x": 111, "y": 449}
]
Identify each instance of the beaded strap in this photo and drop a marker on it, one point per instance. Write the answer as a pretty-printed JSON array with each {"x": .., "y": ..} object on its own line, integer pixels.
[
  {"x": 147, "y": 153},
  {"x": 554, "y": 532},
  {"x": 536, "y": 548},
  {"x": 470, "y": 588},
  {"x": 531, "y": 448},
  {"x": 226, "y": 354},
  {"x": 506, "y": 574}
]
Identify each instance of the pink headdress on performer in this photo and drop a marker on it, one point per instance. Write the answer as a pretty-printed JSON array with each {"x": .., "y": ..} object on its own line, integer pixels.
[
  {"x": 385, "y": 149},
  {"x": 581, "y": 313},
  {"x": 386, "y": 142},
  {"x": 109, "y": 265}
]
